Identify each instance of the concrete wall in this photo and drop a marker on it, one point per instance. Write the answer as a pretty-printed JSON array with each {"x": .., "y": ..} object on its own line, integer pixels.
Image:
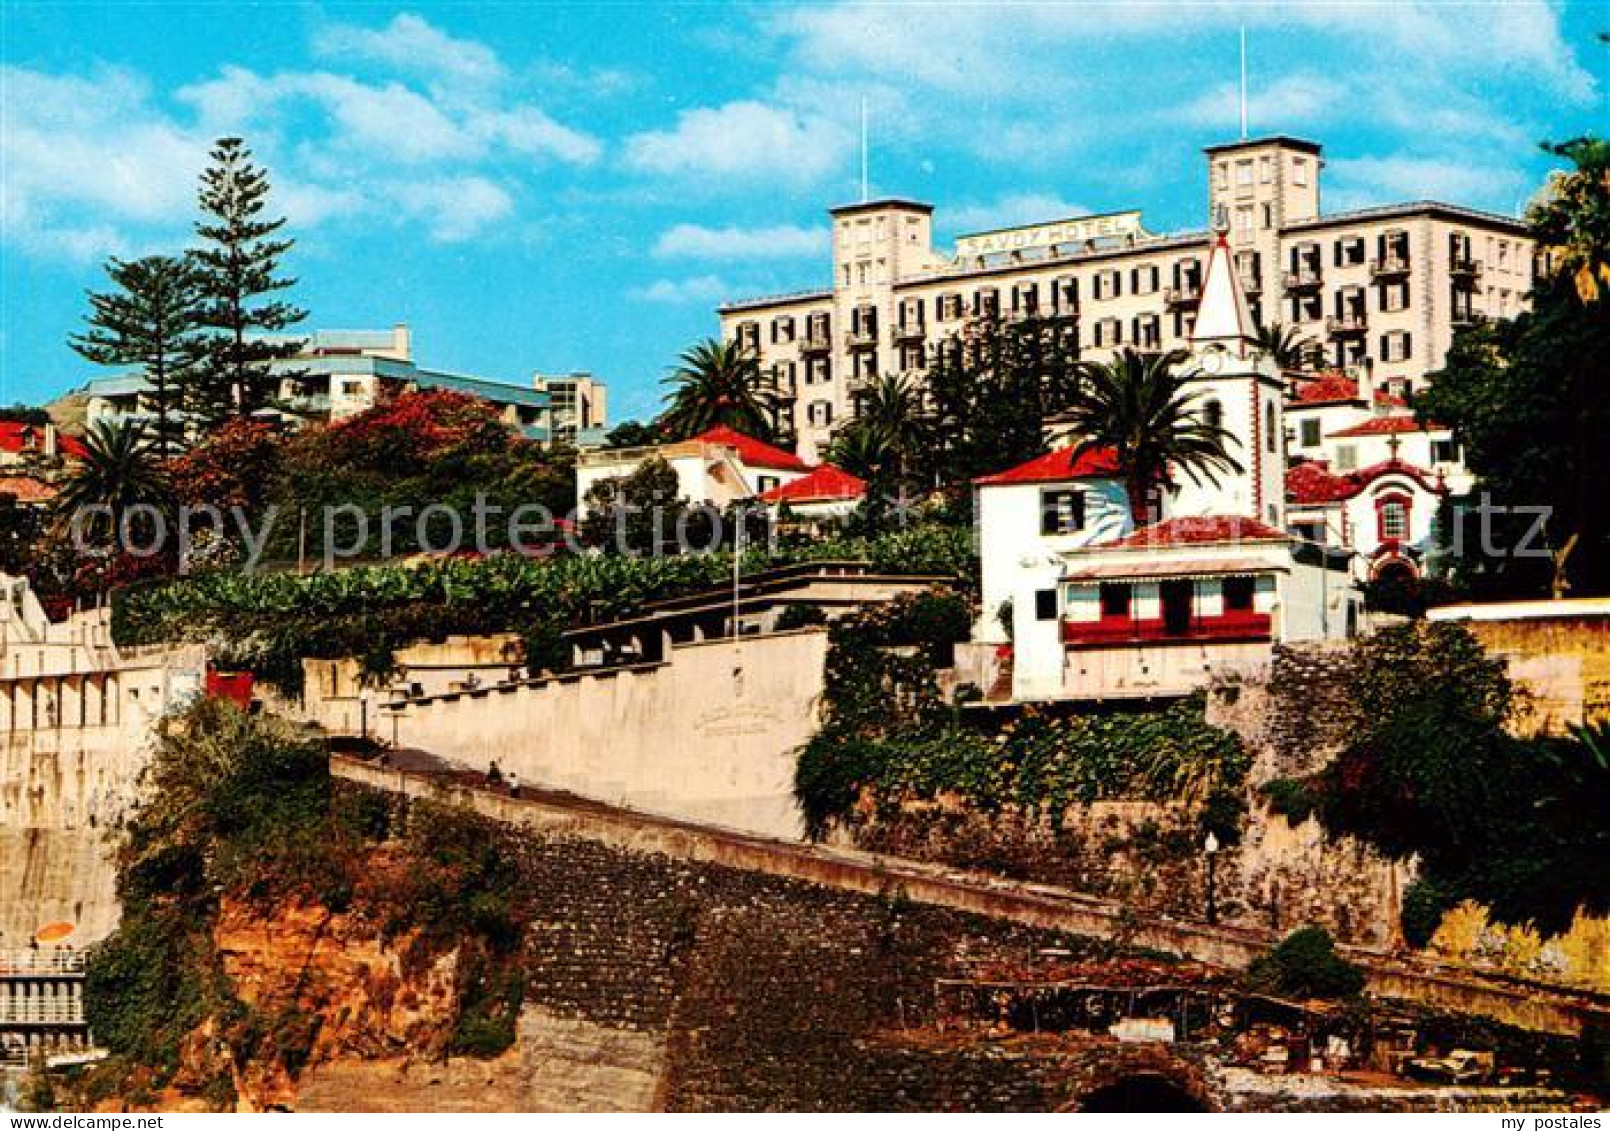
[
  {"x": 711, "y": 735},
  {"x": 1558, "y": 653}
]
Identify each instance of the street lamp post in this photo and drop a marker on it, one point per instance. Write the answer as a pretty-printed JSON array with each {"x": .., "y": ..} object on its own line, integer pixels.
[{"x": 1211, "y": 848}]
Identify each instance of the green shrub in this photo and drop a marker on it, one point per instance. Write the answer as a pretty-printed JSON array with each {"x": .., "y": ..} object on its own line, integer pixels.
[
  {"x": 1424, "y": 904},
  {"x": 1305, "y": 965},
  {"x": 1292, "y": 798},
  {"x": 799, "y": 615}
]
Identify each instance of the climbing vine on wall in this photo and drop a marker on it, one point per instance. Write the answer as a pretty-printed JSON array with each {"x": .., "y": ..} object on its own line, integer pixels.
[{"x": 889, "y": 735}]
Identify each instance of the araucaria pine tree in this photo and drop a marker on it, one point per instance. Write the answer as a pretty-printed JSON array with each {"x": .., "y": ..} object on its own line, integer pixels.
[
  {"x": 150, "y": 321},
  {"x": 237, "y": 266}
]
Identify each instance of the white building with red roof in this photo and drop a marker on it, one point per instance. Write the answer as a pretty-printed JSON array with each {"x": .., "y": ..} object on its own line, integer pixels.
[
  {"x": 1386, "y": 512},
  {"x": 718, "y": 467},
  {"x": 825, "y": 493},
  {"x": 27, "y": 443},
  {"x": 1101, "y": 609}
]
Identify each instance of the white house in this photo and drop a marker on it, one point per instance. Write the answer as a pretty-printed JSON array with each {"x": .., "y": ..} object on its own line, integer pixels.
[
  {"x": 719, "y": 467},
  {"x": 1029, "y": 518}
]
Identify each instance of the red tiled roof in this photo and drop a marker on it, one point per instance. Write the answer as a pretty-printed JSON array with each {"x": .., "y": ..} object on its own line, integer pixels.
[
  {"x": 825, "y": 484},
  {"x": 1314, "y": 482},
  {"x": 1092, "y": 463},
  {"x": 1386, "y": 426},
  {"x": 1326, "y": 388},
  {"x": 27, "y": 489},
  {"x": 14, "y": 435},
  {"x": 753, "y": 452},
  {"x": 1196, "y": 531}
]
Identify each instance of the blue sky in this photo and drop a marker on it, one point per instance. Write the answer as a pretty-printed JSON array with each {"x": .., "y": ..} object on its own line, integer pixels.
[{"x": 539, "y": 186}]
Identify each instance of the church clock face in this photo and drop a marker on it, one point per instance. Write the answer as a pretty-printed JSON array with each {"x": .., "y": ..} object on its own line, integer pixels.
[{"x": 1213, "y": 360}]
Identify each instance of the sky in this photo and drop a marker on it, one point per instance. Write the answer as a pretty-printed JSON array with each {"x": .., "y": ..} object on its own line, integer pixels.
[{"x": 549, "y": 187}]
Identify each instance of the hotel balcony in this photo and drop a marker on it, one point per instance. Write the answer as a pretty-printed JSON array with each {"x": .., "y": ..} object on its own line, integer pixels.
[
  {"x": 1304, "y": 279},
  {"x": 1467, "y": 318},
  {"x": 816, "y": 343},
  {"x": 1465, "y": 271},
  {"x": 861, "y": 339},
  {"x": 1389, "y": 267},
  {"x": 1226, "y": 628},
  {"x": 912, "y": 333},
  {"x": 1347, "y": 325},
  {"x": 1183, "y": 295},
  {"x": 1251, "y": 284}
]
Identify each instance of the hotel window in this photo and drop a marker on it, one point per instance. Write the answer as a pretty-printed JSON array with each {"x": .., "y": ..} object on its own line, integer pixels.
[
  {"x": 1109, "y": 284},
  {"x": 821, "y": 326},
  {"x": 948, "y": 308},
  {"x": 1062, "y": 511},
  {"x": 1346, "y": 457},
  {"x": 1307, "y": 308},
  {"x": 864, "y": 322},
  {"x": 1394, "y": 520},
  {"x": 1265, "y": 170},
  {"x": 1249, "y": 264},
  {"x": 1243, "y": 218},
  {"x": 1026, "y": 298},
  {"x": 783, "y": 374},
  {"x": 861, "y": 272},
  {"x": 1396, "y": 346},
  {"x": 1143, "y": 280},
  {"x": 1065, "y": 296},
  {"x": 782, "y": 330},
  {"x": 865, "y": 365},
  {"x": 819, "y": 414},
  {"x": 1444, "y": 451},
  {"x": 1268, "y": 216},
  {"x": 986, "y": 303},
  {"x": 1243, "y": 173},
  {"x": 911, "y": 314},
  {"x": 818, "y": 370},
  {"x": 1395, "y": 296},
  {"x": 911, "y": 357},
  {"x": 1221, "y": 174},
  {"x": 749, "y": 335},
  {"x": 1115, "y": 599},
  {"x": 1310, "y": 434},
  {"x": 1299, "y": 172},
  {"x": 844, "y": 275},
  {"x": 1146, "y": 330},
  {"x": 1045, "y": 604},
  {"x": 1350, "y": 252},
  {"x": 1109, "y": 332}
]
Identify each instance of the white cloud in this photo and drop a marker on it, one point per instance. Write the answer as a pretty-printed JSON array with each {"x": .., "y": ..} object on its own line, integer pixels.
[
  {"x": 701, "y": 289},
  {"x": 744, "y": 140},
  {"x": 785, "y": 241},
  {"x": 1013, "y": 210},
  {"x": 411, "y": 44},
  {"x": 86, "y": 156},
  {"x": 1358, "y": 182},
  {"x": 1285, "y": 102},
  {"x": 455, "y": 208}
]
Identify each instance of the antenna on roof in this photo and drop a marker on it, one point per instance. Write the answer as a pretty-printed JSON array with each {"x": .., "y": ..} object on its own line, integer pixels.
[
  {"x": 1243, "y": 84},
  {"x": 865, "y": 190}
]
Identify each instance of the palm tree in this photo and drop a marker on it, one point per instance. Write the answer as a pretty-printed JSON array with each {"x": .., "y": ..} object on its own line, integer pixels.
[
  {"x": 1288, "y": 346},
  {"x": 719, "y": 382},
  {"x": 894, "y": 410},
  {"x": 1138, "y": 406},
  {"x": 117, "y": 472},
  {"x": 864, "y": 449}
]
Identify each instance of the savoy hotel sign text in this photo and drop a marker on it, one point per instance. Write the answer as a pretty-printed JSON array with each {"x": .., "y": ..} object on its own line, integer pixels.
[{"x": 1083, "y": 229}]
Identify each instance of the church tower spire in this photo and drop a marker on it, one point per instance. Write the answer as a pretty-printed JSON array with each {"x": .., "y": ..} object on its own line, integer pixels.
[{"x": 1222, "y": 317}]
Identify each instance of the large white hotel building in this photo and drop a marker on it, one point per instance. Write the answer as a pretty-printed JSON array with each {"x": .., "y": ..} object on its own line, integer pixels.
[{"x": 1381, "y": 289}]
